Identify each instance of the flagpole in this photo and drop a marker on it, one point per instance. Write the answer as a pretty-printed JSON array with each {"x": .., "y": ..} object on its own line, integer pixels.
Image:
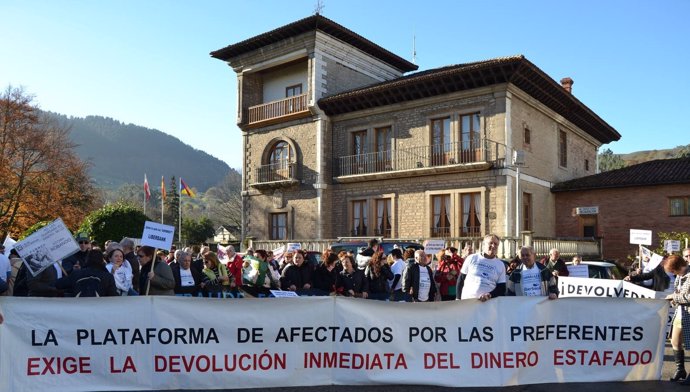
[
  {"x": 162, "y": 198},
  {"x": 179, "y": 208},
  {"x": 145, "y": 181}
]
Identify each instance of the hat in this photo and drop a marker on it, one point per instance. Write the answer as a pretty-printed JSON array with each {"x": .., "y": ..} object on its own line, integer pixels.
[{"x": 81, "y": 237}]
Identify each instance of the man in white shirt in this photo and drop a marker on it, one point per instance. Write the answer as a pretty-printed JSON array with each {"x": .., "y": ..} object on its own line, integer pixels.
[
  {"x": 418, "y": 279},
  {"x": 530, "y": 278},
  {"x": 483, "y": 276}
]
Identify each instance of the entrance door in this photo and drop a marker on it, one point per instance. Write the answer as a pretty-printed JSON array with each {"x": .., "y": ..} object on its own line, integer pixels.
[{"x": 588, "y": 225}]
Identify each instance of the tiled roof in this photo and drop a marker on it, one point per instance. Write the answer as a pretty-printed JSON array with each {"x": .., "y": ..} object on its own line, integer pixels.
[
  {"x": 658, "y": 172},
  {"x": 313, "y": 23},
  {"x": 516, "y": 70}
]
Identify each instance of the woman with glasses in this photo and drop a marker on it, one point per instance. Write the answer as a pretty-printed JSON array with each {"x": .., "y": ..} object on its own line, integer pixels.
[
  {"x": 680, "y": 334},
  {"x": 156, "y": 276},
  {"x": 216, "y": 280}
]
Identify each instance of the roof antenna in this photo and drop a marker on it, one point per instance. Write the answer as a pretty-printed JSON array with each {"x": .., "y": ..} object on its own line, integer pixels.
[
  {"x": 318, "y": 8},
  {"x": 414, "y": 48}
]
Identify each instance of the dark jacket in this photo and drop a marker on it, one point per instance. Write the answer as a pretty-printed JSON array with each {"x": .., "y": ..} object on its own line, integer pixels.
[
  {"x": 379, "y": 284},
  {"x": 105, "y": 286},
  {"x": 660, "y": 280},
  {"x": 43, "y": 284},
  {"x": 163, "y": 282},
  {"x": 411, "y": 281},
  {"x": 186, "y": 290},
  {"x": 558, "y": 266},
  {"x": 298, "y": 276},
  {"x": 354, "y": 281},
  {"x": 134, "y": 263},
  {"x": 324, "y": 279},
  {"x": 548, "y": 284}
]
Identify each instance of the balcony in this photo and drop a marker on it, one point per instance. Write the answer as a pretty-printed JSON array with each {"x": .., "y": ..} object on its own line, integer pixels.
[
  {"x": 479, "y": 154},
  {"x": 275, "y": 175},
  {"x": 277, "y": 111}
]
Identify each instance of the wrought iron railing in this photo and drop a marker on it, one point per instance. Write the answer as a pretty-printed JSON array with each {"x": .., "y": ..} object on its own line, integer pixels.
[
  {"x": 277, "y": 109},
  {"x": 418, "y": 157},
  {"x": 275, "y": 172}
]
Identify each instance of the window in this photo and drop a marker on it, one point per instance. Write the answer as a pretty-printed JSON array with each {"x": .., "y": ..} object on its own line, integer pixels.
[
  {"x": 359, "y": 149},
  {"x": 383, "y": 217},
  {"x": 279, "y": 160},
  {"x": 527, "y": 211},
  {"x": 292, "y": 91},
  {"x": 360, "y": 215},
  {"x": 469, "y": 138},
  {"x": 383, "y": 148},
  {"x": 471, "y": 210},
  {"x": 278, "y": 226},
  {"x": 440, "y": 141},
  {"x": 679, "y": 206},
  {"x": 586, "y": 164},
  {"x": 527, "y": 139},
  {"x": 562, "y": 148},
  {"x": 440, "y": 224}
]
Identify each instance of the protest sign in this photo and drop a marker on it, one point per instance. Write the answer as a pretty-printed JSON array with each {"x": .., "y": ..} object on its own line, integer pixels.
[
  {"x": 578, "y": 271},
  {"x": 580, "y": 287},
  {"x": 671, "y": 246},
  {"x": 640, "y": 237},
  {"x": 171, "y": 343},
  {"x": 293, "y": 246},
  {"x": 157, "y": 235},
  {"x": 431, "y": 247},
  {"x": 47, "y": 245},
  {"x": 8, "y": 244}
]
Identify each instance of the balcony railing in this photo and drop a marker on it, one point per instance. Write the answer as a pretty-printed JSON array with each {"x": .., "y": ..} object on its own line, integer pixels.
[
  {"x": 278, "y": 109},
  {"x": 474, "y": 151},
  {"x": 275, "y": 173}
]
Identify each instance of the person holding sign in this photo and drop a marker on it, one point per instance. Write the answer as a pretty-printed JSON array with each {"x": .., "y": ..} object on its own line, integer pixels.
[
  {"x": 531, "y": 279},
  {"x": 680, "y": 335},
  {"x": 483, "y": 276},
  {"x": 555, "y": 264},
  {"x": 659, "y": 277},
  {"x": 156, "y": 277}
]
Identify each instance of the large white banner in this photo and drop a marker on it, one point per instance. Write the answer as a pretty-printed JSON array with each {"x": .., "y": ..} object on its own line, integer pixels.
[{"x": 195, "y": 343}]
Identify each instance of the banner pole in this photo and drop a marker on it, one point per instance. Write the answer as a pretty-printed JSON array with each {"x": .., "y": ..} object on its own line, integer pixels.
[
  {"x": 153, "y": 265},
  {"x": 179, "y": 208}
]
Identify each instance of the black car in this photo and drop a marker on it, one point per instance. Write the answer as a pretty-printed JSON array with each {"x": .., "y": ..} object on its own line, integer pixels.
[{"x": 358, "y": 246}]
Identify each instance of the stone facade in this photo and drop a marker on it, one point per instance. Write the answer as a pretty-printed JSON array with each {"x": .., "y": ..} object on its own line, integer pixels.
[{"x": 320, "y": 201}]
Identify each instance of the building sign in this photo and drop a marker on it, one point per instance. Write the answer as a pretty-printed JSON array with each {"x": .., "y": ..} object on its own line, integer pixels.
[{"x": 587, "y": 210}]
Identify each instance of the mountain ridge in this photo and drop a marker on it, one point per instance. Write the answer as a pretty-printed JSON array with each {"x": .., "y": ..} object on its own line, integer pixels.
[{"x": 120, "y": 153}]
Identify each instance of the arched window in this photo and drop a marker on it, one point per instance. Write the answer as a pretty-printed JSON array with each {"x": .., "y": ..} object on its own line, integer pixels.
[{"x": 281, "y": 154}]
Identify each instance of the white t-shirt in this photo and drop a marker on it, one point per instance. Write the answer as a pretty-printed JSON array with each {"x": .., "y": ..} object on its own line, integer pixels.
[
  {"x": 482, "y": 275},
  {"x": 397, "y": 269},
  {"x": 5, "y": 267},
  {"x": 424, "y": 283},
  {"x": 531, "y": 281},
  {"x": 122, "y": 276},
  {"x": 186, "y": 278}
]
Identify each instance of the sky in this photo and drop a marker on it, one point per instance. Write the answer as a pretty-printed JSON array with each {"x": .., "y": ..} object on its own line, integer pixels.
[{"x": 147, "y": 62}]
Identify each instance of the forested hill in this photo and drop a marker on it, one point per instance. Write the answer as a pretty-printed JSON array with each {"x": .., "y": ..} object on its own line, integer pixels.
[{"x": 121, "y": 153}]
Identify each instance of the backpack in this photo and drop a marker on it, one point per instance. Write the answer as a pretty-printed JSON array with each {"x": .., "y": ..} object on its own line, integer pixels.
[{"x": 87, "y": 286}]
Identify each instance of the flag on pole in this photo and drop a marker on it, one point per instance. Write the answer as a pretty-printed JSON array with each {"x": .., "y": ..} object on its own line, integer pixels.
[
  {"x": 162, "y": 188},
  {"x": 147, "y": 190},
  {"x": 185, "y": 190}
]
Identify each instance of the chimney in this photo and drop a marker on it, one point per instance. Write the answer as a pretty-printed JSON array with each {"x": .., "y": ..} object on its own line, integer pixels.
[{"x": 567, "y": 84}]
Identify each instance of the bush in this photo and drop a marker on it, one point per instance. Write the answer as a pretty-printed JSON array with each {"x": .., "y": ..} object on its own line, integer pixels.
[{"x": 114, "y": 221}]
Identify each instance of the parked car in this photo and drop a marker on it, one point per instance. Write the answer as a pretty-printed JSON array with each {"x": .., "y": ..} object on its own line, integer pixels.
[
  {"x": 358, "y": 246},
  {"x": 313, "y": 258},
  {"x": 599, "y": 269}
]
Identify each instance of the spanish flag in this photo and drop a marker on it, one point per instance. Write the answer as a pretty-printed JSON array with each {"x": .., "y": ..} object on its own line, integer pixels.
[
  {"x": 162, "y": 188},
  {"x": 185, "y": 190}
]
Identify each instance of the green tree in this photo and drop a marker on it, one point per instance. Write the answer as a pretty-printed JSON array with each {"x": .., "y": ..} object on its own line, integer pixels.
[
  {"x": 682, "y": 152},
  {"x": 197, "y": 231},
  {"x": 114, "y": 221},
  {"x": 33, "y": 228},
  {"x": 172, "y": 203},
  {"x": 610, "y": 161}
]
